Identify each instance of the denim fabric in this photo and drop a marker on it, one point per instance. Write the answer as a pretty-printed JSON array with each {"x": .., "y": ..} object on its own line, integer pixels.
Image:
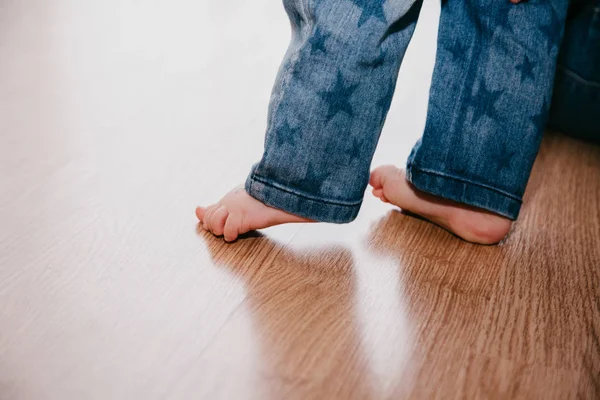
[
  {"x": 489, "y": 101},
  {"x": 329, "y": 103},
  {"x": 576, "y": 104},
  {"x": 490, "y": 96}
]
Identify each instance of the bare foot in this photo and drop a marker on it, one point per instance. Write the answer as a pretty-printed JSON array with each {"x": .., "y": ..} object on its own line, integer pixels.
[
  {"x": 238, "y": 213},
  {"x": 470, "y": 223}
]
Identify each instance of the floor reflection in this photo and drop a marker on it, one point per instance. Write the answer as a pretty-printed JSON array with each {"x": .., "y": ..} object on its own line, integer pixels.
[
  {"x": 302, "y": 306},
  {"x": 355, "y": 315}
]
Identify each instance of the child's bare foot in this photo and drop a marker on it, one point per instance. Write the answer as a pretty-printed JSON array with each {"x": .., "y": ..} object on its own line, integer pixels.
[
  {"x": 470, "y": 223},
  {"x": 238, "y": 213}
]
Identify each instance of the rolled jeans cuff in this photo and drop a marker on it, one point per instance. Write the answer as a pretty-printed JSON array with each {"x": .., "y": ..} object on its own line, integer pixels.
[
  {"x": 463, "y": 190},
  {"x": 289, "y": 200}
]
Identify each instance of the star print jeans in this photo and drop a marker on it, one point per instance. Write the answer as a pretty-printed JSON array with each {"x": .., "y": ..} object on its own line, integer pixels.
[{"x": 489, "y": 101}]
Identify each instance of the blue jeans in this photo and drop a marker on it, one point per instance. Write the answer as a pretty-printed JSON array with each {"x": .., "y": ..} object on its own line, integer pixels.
[
  {"x": 489, "y": 103},
  {"x": 576, "y": 103}
]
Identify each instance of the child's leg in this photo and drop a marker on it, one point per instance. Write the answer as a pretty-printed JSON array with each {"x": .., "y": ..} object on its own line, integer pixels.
[
  {"x": 328, "y": 106},
  {"x": 489, "y": 101}
]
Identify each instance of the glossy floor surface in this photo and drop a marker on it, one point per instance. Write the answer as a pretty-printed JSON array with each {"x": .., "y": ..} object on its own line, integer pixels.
[{"x": 118, "y": 117}]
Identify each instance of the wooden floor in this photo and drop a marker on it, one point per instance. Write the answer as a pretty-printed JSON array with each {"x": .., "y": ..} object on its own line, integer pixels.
[{"x": 118, "y": 117}]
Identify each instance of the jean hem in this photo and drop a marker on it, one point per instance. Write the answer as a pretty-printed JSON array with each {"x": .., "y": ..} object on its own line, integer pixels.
[
  {"x": 464, "y": 191},
  {"x": 287, "y": 200}
]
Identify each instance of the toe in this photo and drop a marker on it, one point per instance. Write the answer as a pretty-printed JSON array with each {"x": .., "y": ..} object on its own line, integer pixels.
[
  {"x": 379, "y": 194},
  {"x": 218, "y": 220},
  {"x": 380, "y": 174},
  {"x": 208, "y": 217},
  {"x": 376, "y": 179},
  {"x": 200, "y": 211},
  {"x": 232, "y": 227}
]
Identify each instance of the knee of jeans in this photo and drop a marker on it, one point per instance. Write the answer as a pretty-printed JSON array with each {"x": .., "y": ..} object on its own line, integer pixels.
[{"x": 358, "y": 23}]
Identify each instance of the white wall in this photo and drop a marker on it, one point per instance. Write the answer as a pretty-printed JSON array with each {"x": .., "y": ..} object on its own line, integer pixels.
[{"x": 406, "y": 119}]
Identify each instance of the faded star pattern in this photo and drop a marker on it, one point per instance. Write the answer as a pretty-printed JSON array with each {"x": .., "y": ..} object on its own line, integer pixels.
[
  {"x": 501, "y": 19},
  {"x": 484, "y": 103},
  {"x": 318, "y": 40},
  {"x": 526, "y": 69},
  {"x": 337, "y": 98},
  {"x": 505, "y": 156},
  {"x": 458, "y": 50},
  {"x": 355, "y": 150},
  {"x": 370, "y": 9},
  {"x": 314, "y": 178},
  {"x": 286, "y": 134}
]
